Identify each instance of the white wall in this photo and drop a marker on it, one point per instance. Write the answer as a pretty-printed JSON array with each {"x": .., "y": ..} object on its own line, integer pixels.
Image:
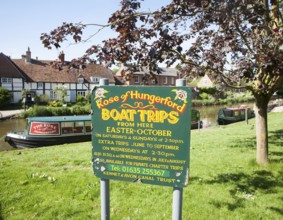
[
  {"x": 17, "y": 96},
  {"x": 72, "y": 88}
]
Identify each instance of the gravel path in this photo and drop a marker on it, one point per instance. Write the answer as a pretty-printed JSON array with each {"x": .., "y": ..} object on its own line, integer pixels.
[{"x": 10, "y": 113}]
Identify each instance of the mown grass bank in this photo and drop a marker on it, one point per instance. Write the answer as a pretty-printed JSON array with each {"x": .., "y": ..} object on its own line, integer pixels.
[{"x": 225, "y": 182}]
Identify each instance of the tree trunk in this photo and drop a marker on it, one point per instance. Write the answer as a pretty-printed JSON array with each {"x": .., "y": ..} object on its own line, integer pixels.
[{"x": 260, "y": 109}]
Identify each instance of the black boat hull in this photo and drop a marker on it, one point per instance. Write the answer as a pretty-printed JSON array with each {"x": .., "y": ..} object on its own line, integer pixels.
[
  {"x": 34, "y": 142},
  {"x": 227, "y": 122}
]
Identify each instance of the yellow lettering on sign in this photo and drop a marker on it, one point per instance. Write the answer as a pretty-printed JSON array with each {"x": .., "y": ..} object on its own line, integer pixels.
[
  {"x": 104, "y": 102},
  {"x": 158, "y": 116},
  {"x": 149, "y": 116},
  {"x": 125, "y": 114}
]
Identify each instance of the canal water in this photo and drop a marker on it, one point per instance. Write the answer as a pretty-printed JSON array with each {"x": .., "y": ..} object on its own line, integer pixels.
[
  {"x": 208, "y": 115},
  {"x": 9, "y": 125}
]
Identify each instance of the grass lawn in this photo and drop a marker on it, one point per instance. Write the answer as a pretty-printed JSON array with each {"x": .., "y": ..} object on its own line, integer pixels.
[{"x": 225, "y": 181}]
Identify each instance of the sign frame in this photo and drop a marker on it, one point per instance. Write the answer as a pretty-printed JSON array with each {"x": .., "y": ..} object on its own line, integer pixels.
[{"x": 157, "y": 118}]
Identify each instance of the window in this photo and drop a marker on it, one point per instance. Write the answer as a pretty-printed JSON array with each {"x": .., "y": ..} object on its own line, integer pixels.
[
  {"x": 173, "y": 80},
  {"x": 165, "y": 80},
  {"x": 136, "y": 79},
  {"x": 88, "y": 126},
  {"x": 39, "y": 85},
  {"x": 94, "y": 79},
  {"x": 67, "y": 127},
  {"x": 6, "y": 80},
  {"x": 80, "y": 80},
  {"x": 72, "y": 127},
  {"x": 81, "y": 93},
  {"x": 53, "y": 95},
  {"x": 154, "y": 82},
  {"x": 79, "y": 127}
]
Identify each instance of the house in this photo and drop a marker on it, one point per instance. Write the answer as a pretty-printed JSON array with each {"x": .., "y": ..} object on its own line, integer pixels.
[
  {"x": 11, "y": 78},
  {"x": 167, "y": 77},
  {"x": 39, "y": 77},
  {"x": 205, "y": 81}
]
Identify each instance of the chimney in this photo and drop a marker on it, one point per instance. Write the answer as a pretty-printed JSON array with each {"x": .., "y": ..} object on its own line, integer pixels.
[
  {"x": 62, "y": 57},
  {"x": 28, "y": 56}
]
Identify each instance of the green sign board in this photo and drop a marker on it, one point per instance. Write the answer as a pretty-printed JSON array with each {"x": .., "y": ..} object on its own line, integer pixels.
[{"x": 142, "y": 134}]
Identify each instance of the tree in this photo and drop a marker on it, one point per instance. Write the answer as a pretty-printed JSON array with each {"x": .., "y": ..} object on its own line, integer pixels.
[
  {"x": 4, "y": 97},
  {"x": 237, "y": 42},
  {"x": 61, "y": 93}
]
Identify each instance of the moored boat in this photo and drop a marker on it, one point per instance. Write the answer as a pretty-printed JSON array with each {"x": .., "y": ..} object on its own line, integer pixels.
[
  {"x": 56, "y": 130},
  {"x": 47, "y": 131},
  {"x": 234, "y": 114}
]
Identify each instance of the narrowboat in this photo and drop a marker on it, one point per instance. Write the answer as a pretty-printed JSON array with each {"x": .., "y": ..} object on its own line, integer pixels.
[
  {"x": 48, "y": 131},
  {"x": 56, "y": 130},
  {"x": 230, "y": 115}
]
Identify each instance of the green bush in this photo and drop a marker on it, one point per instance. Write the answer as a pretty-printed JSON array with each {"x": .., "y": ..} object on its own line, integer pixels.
[
  {"x": 81, "y": 110},
  {"x": 208, "y": 90},
  {"x": 53, "y": 103},
  {"x": 80, "y": 99},
  {"x": 38, "y": 111},
  {"x": 4, "y": 97},
  {"x": 36, "y": 100},
  {"x": 87, "y": 108},
  {"x": 43, "y": 99},
  {"x": 61, "y": 111},
  {"x": 61, "y": 93},
  {"x": 204, "y": 96},
  {"x": 88, "y": 97},
  {"x": 56, "y": 111}
]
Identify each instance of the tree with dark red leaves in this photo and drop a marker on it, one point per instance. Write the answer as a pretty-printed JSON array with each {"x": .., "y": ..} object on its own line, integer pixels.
[{"x": 238, "y": 43}]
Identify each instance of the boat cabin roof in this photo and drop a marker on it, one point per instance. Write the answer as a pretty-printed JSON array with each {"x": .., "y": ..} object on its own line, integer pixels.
[
  {"x": 60, "y": 118},
  {"x": 242, "y": 107}
]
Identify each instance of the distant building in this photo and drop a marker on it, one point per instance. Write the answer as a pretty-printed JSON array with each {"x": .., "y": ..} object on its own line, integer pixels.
[
  {"x": 167, "y": 77},
  {"x": 40, "y": 77},
  {"x": 205, "y": 81}
]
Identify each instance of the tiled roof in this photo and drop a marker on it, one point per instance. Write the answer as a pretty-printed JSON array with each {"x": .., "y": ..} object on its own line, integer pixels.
[
  {"x": 164, "y": 71},
  {"x": 7, "y": 69},
  {"x": 42, "y": 71}
]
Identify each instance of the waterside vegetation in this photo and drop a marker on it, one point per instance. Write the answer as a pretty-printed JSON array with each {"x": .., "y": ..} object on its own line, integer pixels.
[
  {"x": 225, "y": 181},
  {"x": 83, "y": 107}
]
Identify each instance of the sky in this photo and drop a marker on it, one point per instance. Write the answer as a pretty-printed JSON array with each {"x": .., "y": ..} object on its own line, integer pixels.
[{"x": 23, "y": 21}]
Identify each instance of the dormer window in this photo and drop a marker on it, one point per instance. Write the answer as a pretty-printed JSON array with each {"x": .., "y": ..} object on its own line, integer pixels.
[
  {"x": 80, "y": 80},
  {"x": 94, "y": 79}
]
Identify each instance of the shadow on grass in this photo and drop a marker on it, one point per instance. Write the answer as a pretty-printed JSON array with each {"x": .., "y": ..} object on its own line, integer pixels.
[
  {"x": 278, "y": 210},
  {"x": 276, "y": 157},
  {"x": 244, "y": 187},
  {"x": 274, "y": 137},
  {"x": 243, "y": 143},
  {"x": 259, "y": 180}
]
